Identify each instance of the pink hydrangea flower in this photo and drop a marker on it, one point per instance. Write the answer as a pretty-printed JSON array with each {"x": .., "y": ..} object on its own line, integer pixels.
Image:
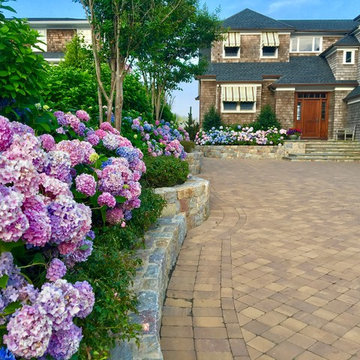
[
  {"x": 47, "y": 141},
  {"x": 106, "y": 199},
  {"x": 83, "y": 115},
  {"x": 6, "y": 133},
  {"x": 86, "y": 184},
  {"x": 114, "y": 216}
]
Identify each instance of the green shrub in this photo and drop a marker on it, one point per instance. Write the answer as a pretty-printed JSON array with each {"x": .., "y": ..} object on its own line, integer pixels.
[
  {"x": 188, "y": 146},
  {"x": 191, "y": 126},
  {"x": 212, "y": 119},
  {"x": 266, "y": 119},
  {"x": 22, "y": 72},
  {"x": 164, "y": 171}
]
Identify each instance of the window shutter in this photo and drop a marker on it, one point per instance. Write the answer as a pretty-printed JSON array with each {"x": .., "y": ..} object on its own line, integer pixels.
[
  {"x": 270, "y": 39},
  {"x": 232, "y": 39}
]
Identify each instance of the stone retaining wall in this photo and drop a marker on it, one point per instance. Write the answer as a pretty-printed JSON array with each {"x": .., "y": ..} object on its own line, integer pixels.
[
  {"x": 162, "y": 246},
  {"x": 191, "y": 198},
  {"x": 242, "y": 151},
  {"x": 188, "y": 206},
  {"x": 252, "y": 152},
  {"x": 194, "y": 160}
]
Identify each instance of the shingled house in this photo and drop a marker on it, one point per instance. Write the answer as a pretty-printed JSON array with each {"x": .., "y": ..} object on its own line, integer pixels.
[
  {"x": 307, "y": 70},
  {"x": 55, "y": 33}
]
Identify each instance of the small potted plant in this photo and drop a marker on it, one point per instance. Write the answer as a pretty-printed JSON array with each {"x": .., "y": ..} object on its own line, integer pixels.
[{"x": 293, "y": 134}]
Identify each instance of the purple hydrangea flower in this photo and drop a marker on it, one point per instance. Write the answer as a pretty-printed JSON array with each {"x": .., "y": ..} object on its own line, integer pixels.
[
  {"x": 65, "y": 343},
  {"x": 80, "y": 254},
  {"x": 56, "y": 270},
  {"x": 29, "y": 332},
  {"x": 83, "y": 115},
  {"x": 87, "y": 298}
]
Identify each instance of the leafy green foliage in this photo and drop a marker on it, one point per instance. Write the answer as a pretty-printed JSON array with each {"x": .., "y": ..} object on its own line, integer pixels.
[
  {"x": 110, "y": 273},
  {"x": 188, "y": 146},
  {"x": 211, "y": 119},
  {"x": 266, "y": 119},
  {"x": 169, "y": 57},
  {"x": 77, "y": 55},
  {"x": 191, "y": 126},
  {"x": 163, "y": 171},
  {"x": 70, "y": 89},
  {"x": 22, "y": 72}
]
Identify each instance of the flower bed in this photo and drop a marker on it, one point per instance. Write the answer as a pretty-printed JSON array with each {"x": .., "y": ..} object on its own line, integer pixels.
[
  {"x": 161, "y": 138},
  {"x": 241, "y": 136}
]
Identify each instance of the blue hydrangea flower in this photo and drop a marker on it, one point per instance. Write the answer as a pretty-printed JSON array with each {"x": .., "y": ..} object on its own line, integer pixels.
[{"x": 5, "y": 354}]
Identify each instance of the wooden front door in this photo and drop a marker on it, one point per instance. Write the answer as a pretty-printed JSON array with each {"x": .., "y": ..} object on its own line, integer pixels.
[{"x": 311, "y": 115}]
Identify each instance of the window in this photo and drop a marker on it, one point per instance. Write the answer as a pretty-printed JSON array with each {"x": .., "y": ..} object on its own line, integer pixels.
[
  {"x": 349, "y": 57},
  {"x": 247, "y": 106},
  {"x": 298, "y": 112},
  {"x": 240, "y": 106},
  {"x": 306, "y": 44},
  {"x": 230, "y": 105},
  {"x": 231, "y": 51},
  {"x": 269, "y": 51}
]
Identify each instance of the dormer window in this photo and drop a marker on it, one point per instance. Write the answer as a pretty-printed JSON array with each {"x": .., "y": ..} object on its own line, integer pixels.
[
  {"x": 232, "y": 45},
  {"x": 270, "y": 44},
  {"x": 349, "y": 57},
  {"x": 306, "y": 44}
]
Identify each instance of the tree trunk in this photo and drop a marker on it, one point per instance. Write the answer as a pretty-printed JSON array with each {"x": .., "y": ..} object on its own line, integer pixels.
[
  {"x": 101, "y": 114},
  {"x": 119, "y": 100}
]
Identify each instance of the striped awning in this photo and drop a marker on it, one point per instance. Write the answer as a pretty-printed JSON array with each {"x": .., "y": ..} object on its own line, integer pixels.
[
  {"x": 232, "y": 39},
  {"x": 270, "y": 39},
  {"x": 242, "y": 93}
]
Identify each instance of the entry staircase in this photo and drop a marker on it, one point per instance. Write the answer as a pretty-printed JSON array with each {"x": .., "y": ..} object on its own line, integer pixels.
[{"x": 330, "y": 150}]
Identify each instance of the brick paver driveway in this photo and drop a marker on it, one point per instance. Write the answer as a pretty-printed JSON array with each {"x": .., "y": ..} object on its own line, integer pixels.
[{"x": 275, "y": 271}]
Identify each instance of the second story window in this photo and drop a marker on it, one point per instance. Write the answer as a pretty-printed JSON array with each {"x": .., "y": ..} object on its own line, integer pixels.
[
  {"x": 349, "y": 57},
  {"x": 306, "y": 44},
  {"x": 270, "y": 44},
  {"x": 232, "y": 45}
]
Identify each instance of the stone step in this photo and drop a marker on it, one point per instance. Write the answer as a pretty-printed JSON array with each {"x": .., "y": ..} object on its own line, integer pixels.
[
  {"x": 331, "y": 151},
  {"x": 322, "y": 157}
]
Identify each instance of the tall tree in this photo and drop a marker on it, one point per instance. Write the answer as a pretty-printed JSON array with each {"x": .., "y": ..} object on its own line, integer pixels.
[
  {"x": 174, "y": 55},
  {"x": 121, "y": 29}
]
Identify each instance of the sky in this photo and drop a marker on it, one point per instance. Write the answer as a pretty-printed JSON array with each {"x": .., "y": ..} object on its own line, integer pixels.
[{"x": 278, "y": 9}]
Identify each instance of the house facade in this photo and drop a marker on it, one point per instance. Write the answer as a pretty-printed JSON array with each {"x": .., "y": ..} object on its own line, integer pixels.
[
  {"x": 308, "y": 71},
  {"x": 55, "y": 33}
]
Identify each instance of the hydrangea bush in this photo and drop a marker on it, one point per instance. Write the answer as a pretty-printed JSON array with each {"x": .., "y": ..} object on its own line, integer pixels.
[
  {"x": 43, "y": 232},
  {"x": 161, "y": 138},
  {"x": 240, "y": 136},
  {"x": 111, "y": 186}
]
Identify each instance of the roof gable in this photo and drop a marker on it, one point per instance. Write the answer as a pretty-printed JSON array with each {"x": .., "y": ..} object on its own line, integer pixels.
[{"x": 249, "y": 19}]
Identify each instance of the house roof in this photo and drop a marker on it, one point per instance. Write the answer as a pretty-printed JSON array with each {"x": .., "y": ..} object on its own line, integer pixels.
[
  {"x": 354, "y": 94},
  {"x": 299, "y": 70},
  {"x": 349, "y": 40},
  {"x": 322, "y": 25},
  {"x": 249, "y": 19}
]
